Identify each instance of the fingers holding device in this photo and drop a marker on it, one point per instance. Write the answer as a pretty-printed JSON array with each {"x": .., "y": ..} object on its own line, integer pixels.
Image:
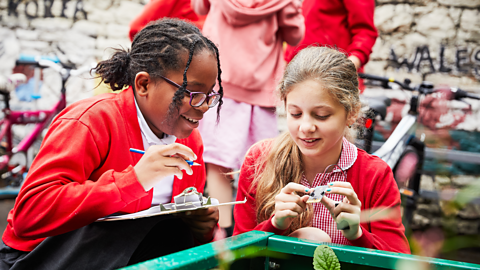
[
  {"x": 345, "y": 213},
  {"x": 289, "y": 205}
]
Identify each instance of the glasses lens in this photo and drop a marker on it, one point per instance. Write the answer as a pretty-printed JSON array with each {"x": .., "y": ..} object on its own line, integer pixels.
[
  {"x": 213, "y": 100},
  {"x": 197, "y": 99}
]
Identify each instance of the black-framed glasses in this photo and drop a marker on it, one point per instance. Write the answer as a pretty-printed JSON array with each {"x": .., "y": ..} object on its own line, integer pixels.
[{"x": 198, "y": 98}]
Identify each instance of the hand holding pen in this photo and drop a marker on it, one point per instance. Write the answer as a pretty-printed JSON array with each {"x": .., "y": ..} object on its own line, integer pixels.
[
  {"x": 160, "y": 161},
  {"x": 191, "y": 163}
]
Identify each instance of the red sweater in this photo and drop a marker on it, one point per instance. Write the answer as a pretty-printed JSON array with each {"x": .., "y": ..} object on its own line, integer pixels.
[
  {"x": 157, "y": 9},
  {"x": 372, "y": 180},
  {"x": 346, "y": 24},
  {"x": 84, "y": 171}
]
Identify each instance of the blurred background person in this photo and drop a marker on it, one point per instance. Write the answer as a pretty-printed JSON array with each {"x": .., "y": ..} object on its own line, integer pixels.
[
  {"x": 157, "y": 9},
  {"x": 344, "y": 24},
  {"x": 249, "y": 35}
]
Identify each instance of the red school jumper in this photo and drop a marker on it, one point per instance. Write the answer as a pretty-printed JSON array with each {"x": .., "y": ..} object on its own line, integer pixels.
[
  {"x": 370, "y": 177},
  {"x": 157, "y": 9},
  {"x": 344, "y": 24},
  {"x": 84, "y": 171}
]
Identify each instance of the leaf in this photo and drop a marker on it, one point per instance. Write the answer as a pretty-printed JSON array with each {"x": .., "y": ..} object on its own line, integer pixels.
[{"x": 325, "y": 259}]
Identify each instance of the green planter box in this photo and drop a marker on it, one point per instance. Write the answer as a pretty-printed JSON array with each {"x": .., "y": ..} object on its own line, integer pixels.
[{"x": 261, "y": 250}]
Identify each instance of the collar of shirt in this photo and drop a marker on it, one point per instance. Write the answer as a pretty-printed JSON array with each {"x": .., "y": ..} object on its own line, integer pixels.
[
  {"x": 348, "y": 156},
  {"x": 147, "y": 133}
]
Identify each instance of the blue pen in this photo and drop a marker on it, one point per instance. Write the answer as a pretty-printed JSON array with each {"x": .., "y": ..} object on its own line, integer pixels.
[{"x": 191, "y": 163}]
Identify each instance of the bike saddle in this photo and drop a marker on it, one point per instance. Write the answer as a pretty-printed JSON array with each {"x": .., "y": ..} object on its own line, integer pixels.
[{"x": 377, "y": 104}]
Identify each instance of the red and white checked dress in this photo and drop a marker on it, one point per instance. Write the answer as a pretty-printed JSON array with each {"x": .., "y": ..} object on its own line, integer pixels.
[{"x": 322, "y": 218}]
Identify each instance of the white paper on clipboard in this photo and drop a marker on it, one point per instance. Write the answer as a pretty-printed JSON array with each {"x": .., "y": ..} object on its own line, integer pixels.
[{"x": 169, "y": 208}]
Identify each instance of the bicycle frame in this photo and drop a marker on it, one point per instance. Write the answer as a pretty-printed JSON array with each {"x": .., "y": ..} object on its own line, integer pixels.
[
  {"x": 40, "y": 117},
  {"x": 13, "y": 174},
  {"x": 392, "y": 149}
]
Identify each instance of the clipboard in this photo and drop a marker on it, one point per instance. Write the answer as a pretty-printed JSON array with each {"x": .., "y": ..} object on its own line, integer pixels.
[{"x": 188, "y": 200}]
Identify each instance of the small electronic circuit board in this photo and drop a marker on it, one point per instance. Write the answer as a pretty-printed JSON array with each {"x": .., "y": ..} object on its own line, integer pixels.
[{"x": 317, "y": 194}]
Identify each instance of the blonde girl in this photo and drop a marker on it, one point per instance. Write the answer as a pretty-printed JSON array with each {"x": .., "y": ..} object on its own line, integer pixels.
[{"x": 320, "y": 91}]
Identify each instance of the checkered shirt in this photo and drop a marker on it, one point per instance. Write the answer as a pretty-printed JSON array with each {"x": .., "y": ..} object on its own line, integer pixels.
[{"x": 322, "y": 218}]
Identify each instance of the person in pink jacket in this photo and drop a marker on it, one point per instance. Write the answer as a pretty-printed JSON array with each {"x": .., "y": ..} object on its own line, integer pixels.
[{"x": 249, "y": 35}]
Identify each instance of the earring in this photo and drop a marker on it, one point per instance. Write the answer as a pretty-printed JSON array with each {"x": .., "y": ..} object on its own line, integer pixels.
[{"x": 349, "y": 126}]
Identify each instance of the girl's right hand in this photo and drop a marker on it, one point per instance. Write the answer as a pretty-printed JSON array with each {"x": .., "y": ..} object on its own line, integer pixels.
[
  {"x": 160, "y": 161},
  {"x": 289, "y": 205}
]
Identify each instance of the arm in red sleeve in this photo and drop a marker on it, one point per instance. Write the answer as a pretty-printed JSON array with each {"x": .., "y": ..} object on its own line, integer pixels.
[
  {"x": 292, "y": 23},
  {"x": 362, "y": 28},
  {"x": 387, "y": 233},
  {"x": 201, "y": 7},
  {"x": 57, "y": 196},
  {"x": 245, "y": 214}
]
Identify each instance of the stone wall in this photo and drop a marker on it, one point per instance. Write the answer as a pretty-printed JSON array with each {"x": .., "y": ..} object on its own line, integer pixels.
[
  {"x": 434, "y": 40},
  {"x": 78, "y": 31}
]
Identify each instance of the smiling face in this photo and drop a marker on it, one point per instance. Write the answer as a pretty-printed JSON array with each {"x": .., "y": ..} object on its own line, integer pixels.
[
  {"x": 154, "y": 96},
  {"x": 316, "y": 121}
]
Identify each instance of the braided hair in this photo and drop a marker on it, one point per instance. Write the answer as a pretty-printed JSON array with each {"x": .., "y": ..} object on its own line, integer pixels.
[{"x": 156, "y": 49}]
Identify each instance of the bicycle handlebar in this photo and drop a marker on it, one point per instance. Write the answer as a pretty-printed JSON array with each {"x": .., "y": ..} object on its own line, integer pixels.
[
  {"x": 83, "y": 69},
  {"x": 47, "y": 63},
  {"x": 55, "y": 64},
  {"x": 459, "y": 94},
  {"x": 385, "y": 80},
  {"x": 425, "y": 87},
  {"x": 374, "y": 77},
  {"x": 66, "y": 72},
  {"x": 33, "y": 60}
]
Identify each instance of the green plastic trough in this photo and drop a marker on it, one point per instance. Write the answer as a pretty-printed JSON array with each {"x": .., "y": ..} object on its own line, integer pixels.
[{"x": 261, "y": 250}]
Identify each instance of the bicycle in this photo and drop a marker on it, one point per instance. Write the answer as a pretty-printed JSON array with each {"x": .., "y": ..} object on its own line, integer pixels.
[
  {"x": 403, "y": 151},
  {"x": 13, "y": 172}
]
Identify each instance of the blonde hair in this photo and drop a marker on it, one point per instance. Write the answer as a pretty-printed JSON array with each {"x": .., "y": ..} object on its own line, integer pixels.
[{"x": 283, "y": 164}]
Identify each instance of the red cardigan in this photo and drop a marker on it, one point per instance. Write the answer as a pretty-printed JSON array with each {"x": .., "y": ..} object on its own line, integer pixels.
[
  {"x": 84, "y": 171},
  {"x": 372, "y": 180},
  {"x": 158, "y": 9},
  {"x": 345, "y": 24}
]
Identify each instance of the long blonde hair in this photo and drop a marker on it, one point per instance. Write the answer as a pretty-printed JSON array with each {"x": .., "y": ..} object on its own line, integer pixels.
[{"x": 283, "y": 164}]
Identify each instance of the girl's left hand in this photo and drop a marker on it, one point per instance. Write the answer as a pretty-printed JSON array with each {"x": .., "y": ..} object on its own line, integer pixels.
[{"x": 348, "y": 210}]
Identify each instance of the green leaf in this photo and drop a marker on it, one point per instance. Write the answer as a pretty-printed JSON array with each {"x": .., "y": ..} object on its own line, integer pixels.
[{"x": 325, "y": 259}]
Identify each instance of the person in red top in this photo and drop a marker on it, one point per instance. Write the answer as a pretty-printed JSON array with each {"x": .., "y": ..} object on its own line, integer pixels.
[
  {"x": 344, "y": 24},
  {"x": 158, "y": 9},
  {"x": 85, "y": 171},
  {"x": 321, "y": 96}
]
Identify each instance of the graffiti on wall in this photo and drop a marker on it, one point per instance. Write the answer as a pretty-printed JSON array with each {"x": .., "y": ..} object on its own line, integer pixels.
[
  {"x": 466, "y": 61},
  {"x": 32, "y": 9}
]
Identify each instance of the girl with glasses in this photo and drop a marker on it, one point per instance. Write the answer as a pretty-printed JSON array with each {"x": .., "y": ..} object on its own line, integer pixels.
[
  {"x": 320, "y": 91},
  {"x": 85, "y": 171}
]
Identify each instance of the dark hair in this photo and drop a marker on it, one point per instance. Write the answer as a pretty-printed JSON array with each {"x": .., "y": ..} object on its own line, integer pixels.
[{"x": 156, "y": 49}]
